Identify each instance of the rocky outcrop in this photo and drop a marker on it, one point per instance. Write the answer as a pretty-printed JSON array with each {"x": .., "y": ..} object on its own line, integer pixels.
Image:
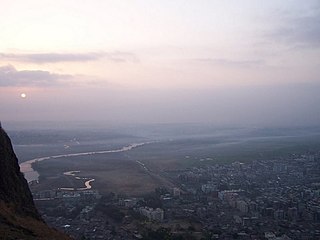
[
  {"x": 19, "y": 219},
  {"x": 14, "y": 188}
]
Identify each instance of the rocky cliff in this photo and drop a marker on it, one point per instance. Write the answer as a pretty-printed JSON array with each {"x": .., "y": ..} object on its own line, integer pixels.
[{"x": 19, "y": 219}]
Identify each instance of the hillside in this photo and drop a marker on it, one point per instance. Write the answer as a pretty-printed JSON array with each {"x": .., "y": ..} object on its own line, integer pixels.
[{"x": 19, "y": 219}]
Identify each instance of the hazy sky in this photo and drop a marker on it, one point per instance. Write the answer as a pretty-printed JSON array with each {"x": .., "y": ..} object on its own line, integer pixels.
[{"x": 245, "y": 62}]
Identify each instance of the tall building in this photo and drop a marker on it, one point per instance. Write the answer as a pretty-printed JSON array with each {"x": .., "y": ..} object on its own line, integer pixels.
[{"x": 152, "y": 214}]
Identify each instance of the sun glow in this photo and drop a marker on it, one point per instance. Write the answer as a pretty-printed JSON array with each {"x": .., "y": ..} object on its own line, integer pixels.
[{"x": 23, "y": 95}]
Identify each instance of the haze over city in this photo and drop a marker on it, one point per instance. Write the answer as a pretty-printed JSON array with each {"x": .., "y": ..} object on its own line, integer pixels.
[
  {"x": 221, "y": 62},
  {"x": 152, "y": 120}
]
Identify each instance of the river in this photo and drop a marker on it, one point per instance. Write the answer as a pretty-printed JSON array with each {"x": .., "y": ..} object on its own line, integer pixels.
[
  {"x": 87, "y": 182},
  {"x": 32, "y": 175}
]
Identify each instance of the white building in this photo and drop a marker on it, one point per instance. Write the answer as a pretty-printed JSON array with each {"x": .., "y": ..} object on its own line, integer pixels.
[{"x": 152, "y": 214}]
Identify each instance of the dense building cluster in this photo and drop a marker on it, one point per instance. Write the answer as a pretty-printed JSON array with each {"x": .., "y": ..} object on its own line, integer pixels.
[
  {"x": 274, "y": 199},
  {"x": 279, "y": 196}
]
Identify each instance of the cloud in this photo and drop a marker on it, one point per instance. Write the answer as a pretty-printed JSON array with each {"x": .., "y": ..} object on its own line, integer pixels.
[
  {"x": 231, "y": 63},
  {"x": 41, "y": 58},
  {"x": 298, "y": 30},
  {"x": 10, "y": 76},
  {"x": 121, "y": 57}
]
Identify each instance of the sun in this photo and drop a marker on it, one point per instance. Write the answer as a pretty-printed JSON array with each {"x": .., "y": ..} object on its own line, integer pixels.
[{"x": 23, "y": 95}]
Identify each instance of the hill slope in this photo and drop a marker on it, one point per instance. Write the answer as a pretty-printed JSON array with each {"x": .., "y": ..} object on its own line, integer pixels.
[{"x": 19, "y": 219}]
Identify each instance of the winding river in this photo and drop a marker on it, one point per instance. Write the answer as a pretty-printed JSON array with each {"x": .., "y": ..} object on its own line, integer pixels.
[
  {"x": 32, "y": 175},
  {"x": 87, "y": 182}
]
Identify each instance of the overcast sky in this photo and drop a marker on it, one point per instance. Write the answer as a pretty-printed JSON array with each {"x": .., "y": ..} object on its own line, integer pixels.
[{"x": 248, "y": 62}]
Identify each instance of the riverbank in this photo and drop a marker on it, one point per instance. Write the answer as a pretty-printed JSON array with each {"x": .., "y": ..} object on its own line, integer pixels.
[
  {"x": 32, "y": 175},
  {"x": 87, "y": 182}
]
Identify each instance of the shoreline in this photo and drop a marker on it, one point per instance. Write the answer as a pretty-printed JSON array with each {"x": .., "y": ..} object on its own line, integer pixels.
[{"x": 32, "y": 175}]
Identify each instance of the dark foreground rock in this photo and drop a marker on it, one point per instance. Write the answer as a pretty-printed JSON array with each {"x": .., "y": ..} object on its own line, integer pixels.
[{"x": 19, "y": 219}]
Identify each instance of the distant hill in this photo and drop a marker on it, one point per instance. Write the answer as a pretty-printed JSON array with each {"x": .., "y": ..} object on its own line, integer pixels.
[{"x": 19, "y": 219}]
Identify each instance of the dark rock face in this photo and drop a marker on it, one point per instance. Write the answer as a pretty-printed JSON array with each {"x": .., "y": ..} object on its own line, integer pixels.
[
  {"x": 14, "y": 188},
  {"x": 19, "y": 218}
]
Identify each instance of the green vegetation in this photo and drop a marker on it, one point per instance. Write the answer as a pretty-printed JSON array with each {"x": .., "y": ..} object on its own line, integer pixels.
[
  {"x": 111, "y": 211},
  {"x": 142, "y": 169},
  {"x": 165, "y": 234}
]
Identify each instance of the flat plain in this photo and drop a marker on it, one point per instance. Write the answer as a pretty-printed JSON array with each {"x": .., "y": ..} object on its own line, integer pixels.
[{"x": 142, "y": 169}]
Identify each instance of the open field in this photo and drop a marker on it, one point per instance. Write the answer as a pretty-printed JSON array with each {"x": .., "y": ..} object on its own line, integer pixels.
[
  {"x": 112, "y": 173},
  {"x": 121, "y": 173},
  {"x": 177, "y": 154},
  {"x": 141, "y": 170}
]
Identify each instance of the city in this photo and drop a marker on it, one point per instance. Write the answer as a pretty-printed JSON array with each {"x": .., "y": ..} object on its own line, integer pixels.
[
  {"x": 159, "y": 120},
  {"x": 274, "y": 199}
]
